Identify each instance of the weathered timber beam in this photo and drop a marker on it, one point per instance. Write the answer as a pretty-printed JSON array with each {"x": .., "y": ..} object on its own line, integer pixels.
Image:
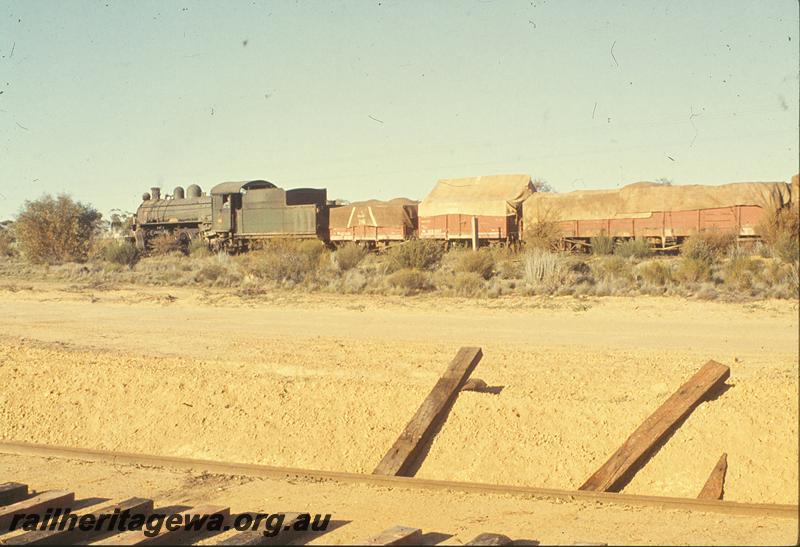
[
  {"x": 635, "y": 449},
  {"x": 165, "y": 535},
  {"x": 39, "y": 504},
  {"x": 715, "y": 485},
  {"x": 12, "y": 492},
  {"x": 433, "y": 408},
  {"x": 397, "y": 535},
  {"x": 490, "y": 539},
  {"x": 76, "y": 535}
]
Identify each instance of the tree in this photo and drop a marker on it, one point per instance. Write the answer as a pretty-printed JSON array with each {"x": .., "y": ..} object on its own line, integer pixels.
[
  {"x": 542, "y": 185},
  {"x": 7, "y": 238},
  {"x": 664, "y": 181},
  {"x": 52, "y": 230}
]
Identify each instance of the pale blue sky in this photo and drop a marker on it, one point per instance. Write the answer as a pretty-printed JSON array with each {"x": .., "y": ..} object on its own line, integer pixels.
[{"x": 103, "y": 99}]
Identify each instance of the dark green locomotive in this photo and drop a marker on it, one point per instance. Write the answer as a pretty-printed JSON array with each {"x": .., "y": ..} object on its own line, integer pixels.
[{"x": 234, "y": 214}]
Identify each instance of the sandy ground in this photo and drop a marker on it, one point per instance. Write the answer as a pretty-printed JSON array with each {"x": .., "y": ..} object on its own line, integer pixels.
[{"x": 329, "y": 382}]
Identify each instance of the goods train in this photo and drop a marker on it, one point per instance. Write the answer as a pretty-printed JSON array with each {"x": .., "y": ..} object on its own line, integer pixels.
[{"x": 489, "y": 209}]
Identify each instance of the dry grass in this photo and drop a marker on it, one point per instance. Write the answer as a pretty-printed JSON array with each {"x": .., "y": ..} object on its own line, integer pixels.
[
  {"x": 708, "y": 246},
  {"x": 633, "y": 248},
  {"x": 693, "y": 270},
  {"x": 349, "y": 256},
  {"x": 602, "y": 245},
  {"x": 309, "y": 267},
  {"x": 418, "y": 254},
  {"x": 122, "y": 253},
  {"x": 468, "y": 284},
  {"x": 409, "y": 281},
  {"x": 480, "y": 263},
  {"x": 655, "y": 272},
  {"x": 285, "y": 261}
]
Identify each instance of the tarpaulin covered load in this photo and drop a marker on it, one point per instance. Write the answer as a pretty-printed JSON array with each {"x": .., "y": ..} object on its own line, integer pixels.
[
  {"x": 642, "y": 199},
  {"x": 494, "y": 195},
  {"x": 488, "y": 208},
  {"x": 393, "y": 219}
]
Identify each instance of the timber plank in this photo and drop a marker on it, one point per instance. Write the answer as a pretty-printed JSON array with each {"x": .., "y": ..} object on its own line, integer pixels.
[
  {"x": 421, "y": 426},
  {"x": 67, "y": 536},
  {"x": 40, "y": 503},
  {"x": 138, "y": 537},
  {"x": 715, "y": 485},
  {"x": 12, "y": 492},
  {"x": 397, "y": 535},
  {"x": 257, "y": 537},
  {"x": 656, "y": 427}
]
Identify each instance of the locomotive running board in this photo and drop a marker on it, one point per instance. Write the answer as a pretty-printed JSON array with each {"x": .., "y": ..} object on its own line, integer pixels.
[{"x": 267, "y": 471}]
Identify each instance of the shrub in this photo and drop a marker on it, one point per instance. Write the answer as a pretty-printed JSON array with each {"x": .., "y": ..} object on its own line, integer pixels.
[
  {"x": 781, "y": 224},
  {"x": 349, "y": 256},
  {"x": 210, "y": 273},
  {"x": 286, "y": 260},
  {"x": 221, "y": 271},
  {"x": 602, "y": 245},
  {"x": 654, "y": 272},
  {"x": 544, "y": 234},
  {"x": 776, "y": 273},
  {"x": 164, "y": 243},
  {"x": 633, "y": 248},
  {"x": 52, "y": 230},
  {"x": 409, "y": 281},
  {"x": 740, "y": 270},
  {"x": 708, "y": 246},
  {"x": 468, "y": 283},
  {"x": 419, "y": 254},
  {"x": 615, "y": 267},
  {"x": 787, "y": 248},
  {"x": 198, "y": 248},
  {"x": 693, "y": 270},
  {"x": 7, "y": 241},
  {"x": 541, "y": 267},
  {"x": 480, "y": 263},
  {"x": 123, "y": 253}
]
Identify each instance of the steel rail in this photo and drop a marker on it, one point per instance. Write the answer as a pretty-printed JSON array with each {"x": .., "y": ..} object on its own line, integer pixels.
[{"x": 273, "y": 472}]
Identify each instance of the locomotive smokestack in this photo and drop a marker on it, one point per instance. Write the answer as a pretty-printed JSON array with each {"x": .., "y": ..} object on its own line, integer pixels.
[{"x": 155, "y": 193}]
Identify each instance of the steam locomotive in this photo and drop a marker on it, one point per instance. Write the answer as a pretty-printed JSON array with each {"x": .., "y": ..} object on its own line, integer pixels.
[{"x": 232, "y": 215}]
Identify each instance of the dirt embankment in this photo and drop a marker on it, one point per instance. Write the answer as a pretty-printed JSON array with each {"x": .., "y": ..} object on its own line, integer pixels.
[{"x": 330, "y": 382}]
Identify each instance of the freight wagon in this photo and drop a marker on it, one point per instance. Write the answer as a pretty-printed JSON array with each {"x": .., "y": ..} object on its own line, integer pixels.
[
  {"x": 487, "y": 208},
  {"x": 374, "y": 222},
  {"x": 663, "y": 214}
]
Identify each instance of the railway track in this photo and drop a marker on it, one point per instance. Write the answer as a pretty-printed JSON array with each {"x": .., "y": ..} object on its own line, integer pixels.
[{"x": 273, "y": 472}]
